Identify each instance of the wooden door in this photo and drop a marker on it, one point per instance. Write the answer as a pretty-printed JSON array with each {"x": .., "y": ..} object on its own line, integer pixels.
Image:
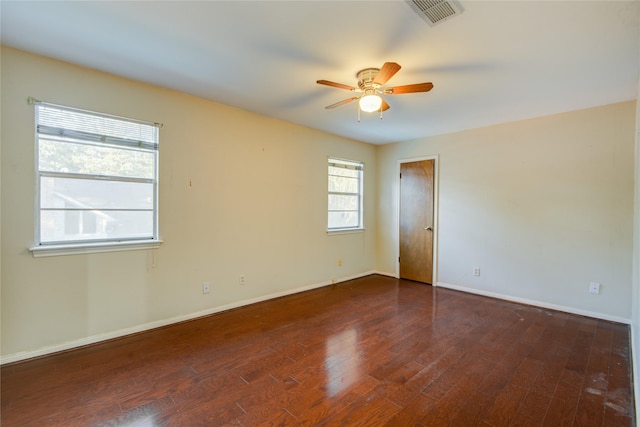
[{"x": 416, "y": 220}]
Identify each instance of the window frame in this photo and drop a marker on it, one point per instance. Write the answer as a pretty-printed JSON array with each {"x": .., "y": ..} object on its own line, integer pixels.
[
  {"x": 359, "y": 166},
  {"x": 77, "y": 246}
]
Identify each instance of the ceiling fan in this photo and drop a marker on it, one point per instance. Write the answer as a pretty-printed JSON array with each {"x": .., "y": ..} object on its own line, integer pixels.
[{"x": 370, "y": 87}]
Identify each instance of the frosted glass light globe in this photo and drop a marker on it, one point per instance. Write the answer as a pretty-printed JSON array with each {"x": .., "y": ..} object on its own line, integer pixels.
[{"x": 370, "y": 103}]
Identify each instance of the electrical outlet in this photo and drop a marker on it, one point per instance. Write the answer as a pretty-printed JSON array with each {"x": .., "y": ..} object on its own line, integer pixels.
[
  {"x": 594, "y": 287},
  {"x": 243, "y": 281},
  {"x": 206, "y": 288},
  {"x": 476, "y": 271}
]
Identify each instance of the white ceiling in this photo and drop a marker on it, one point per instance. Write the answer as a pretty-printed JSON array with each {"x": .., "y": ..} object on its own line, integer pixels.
[{"x": 498, "y": 61}]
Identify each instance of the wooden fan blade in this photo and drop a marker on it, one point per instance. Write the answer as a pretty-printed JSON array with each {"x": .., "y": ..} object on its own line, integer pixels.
[
  {"x": 334, "y": 84},
  {"x": 386, "y": 72},
  {"x": 418, "y": 87},
  {"x": 344, "y": 101},
  {"x": 384, "y": 106}
]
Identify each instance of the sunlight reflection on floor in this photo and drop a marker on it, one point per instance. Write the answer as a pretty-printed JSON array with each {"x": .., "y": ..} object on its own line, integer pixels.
[{"x": 342, "y": 361}]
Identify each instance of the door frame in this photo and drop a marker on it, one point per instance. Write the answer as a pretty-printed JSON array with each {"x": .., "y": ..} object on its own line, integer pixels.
[{"x": 436, "y": 228}]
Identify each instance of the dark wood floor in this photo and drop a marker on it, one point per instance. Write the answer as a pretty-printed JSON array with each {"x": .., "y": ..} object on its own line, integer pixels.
[{"x": 373, "y": 351}]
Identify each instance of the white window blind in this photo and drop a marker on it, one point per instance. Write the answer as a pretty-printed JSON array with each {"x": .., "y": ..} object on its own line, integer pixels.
[
  {"x": 345, "y": 195},
  {"x": 97, "y": 177}
]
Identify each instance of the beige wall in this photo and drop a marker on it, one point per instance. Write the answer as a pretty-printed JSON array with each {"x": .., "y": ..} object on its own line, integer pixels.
[
  {"x": 542, "y": 206},
  {"x": 256, "y": 207}
]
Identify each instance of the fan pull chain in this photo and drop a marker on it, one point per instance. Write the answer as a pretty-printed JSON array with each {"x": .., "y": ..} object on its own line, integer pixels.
[{"x": 358, "y": 114}]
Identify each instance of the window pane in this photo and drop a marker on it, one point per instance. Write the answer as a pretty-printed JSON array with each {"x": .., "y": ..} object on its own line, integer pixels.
[
  {"x": 343, "y": 172},
  {"x": 77, "y": 157},
  {"x": 61, "y": 226},
  {"x": 70, "y": 193},
  {"x": 343, "y": 185},
  {"x": 343, "y": 203},
  {"x": 343, "y": 219}
]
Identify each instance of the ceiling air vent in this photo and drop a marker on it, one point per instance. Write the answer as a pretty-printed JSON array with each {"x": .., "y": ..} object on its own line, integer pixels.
[{"x": 435, "y": 11}]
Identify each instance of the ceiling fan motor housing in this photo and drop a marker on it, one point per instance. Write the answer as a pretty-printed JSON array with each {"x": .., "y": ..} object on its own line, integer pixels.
[{"x": 365, "y": 80}]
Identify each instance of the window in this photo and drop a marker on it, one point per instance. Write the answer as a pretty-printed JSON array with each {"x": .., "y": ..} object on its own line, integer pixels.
[
  {"x": 345, "y": 195},
  {"x": 97, "y": 178}
]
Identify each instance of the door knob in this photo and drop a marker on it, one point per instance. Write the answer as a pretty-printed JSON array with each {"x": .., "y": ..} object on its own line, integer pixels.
[{"x": 428, "y": 228}]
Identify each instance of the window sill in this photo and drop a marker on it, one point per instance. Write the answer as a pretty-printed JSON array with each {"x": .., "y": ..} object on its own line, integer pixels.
[
  {"x": 345, "y": 231},
  {"x": 90, "y": 248}
]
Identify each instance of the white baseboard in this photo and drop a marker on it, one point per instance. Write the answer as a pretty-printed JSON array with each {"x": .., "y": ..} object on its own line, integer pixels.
[
  {"x": 384, "y": 273},
  {"x": 536, "y": 303},
  {"x": 94, "y": 339}
]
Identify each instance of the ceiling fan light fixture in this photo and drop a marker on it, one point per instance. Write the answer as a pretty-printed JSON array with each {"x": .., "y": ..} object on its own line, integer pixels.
[{"x": 370, "y": 103}]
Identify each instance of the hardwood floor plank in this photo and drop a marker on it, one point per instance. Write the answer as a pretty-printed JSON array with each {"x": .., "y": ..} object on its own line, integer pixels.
[
  {"x": 474, "y": 410},
  {"x": 451, "y": 389},
  {"x": 505, "y": 406},
  {"x": 316, "y": 407},
  {"x": 590, "y": 411},
  {"x": 372, "y": 409},
  {"x": 561, "y": 412},
  {"x": 579, "y": 355},
  {"x": 372, "y": 351},
  {"x": 564, "y": 403},
  {"x": 426, "y": 376},
  {"x": 413, "y": 412},
  {"x": 266, "y": 400},
  {"x": 144, "y": 408},
  {"x": 549, "y": 376},
  {"x": 532, "y": 411},
  {"x": 509, "y": 401}
]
